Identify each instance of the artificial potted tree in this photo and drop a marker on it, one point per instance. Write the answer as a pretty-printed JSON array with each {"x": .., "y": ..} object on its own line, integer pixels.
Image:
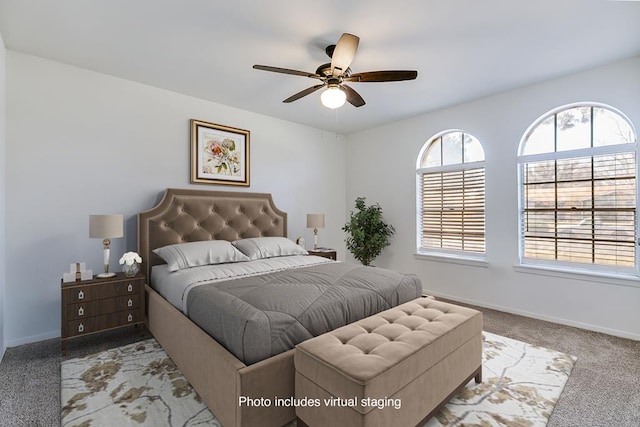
[{"x": 367, "y": 233}]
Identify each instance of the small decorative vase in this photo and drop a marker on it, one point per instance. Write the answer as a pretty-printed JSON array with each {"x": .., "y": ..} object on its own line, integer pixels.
[{"x": 130, "y": 270}]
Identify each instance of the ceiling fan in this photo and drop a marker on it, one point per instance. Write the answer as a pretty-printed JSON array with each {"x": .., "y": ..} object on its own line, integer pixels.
[{"x": 333, "y": 75}]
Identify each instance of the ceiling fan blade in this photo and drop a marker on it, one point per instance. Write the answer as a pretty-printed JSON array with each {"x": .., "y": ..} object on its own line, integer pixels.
[
  {"x": 302, "y": 93},
  {"x": 382, "y": 76},
  {"x": 344, "y": 53},
  {"x": 286, "y": 71},
  {"x": 353, "y": 97}
]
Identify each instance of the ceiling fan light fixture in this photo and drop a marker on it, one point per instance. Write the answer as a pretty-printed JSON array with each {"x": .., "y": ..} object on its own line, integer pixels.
[{"x": 333, "y": 97}]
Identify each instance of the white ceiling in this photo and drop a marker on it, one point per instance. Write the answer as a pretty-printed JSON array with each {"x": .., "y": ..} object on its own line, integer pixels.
[{"x": 462, "y": 49}]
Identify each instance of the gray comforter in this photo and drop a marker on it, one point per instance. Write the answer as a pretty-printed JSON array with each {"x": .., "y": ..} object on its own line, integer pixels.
[{"x": 260, "y": 316}]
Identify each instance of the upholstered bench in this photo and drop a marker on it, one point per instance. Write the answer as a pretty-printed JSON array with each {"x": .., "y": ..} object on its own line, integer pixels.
[{"x": 395, "y": 368}]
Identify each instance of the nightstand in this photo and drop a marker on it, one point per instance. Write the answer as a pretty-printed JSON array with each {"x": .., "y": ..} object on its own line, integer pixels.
[
  {"x": 327, "y": 253},
  {"x": 98, "y": 305}
]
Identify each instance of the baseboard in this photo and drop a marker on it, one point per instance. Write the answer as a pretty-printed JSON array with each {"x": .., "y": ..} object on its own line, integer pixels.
[
  {"x": 567, "y": 322},
  {"x": 34, "y": 338}
]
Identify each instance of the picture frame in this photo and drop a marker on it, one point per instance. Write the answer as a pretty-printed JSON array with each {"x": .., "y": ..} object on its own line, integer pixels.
[{"x": 219, "y": 154}]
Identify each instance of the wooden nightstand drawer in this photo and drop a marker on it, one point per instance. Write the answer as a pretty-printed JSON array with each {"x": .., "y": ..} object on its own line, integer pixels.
[
  {"x": 102, "y": 323},
  {"x": 128, "y": 287},
  {"x": 83, "y": 310},
  {"x": 80, "y": 293}
]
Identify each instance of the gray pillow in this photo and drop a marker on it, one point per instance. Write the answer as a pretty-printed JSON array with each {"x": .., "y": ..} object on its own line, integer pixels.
[
  {"x": 193, "y": 254},
  {"x": 268, "y": 247}
]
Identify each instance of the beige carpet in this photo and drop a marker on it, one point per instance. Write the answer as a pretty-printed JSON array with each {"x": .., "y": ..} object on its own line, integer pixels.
[{"x": 139, "y": 385}]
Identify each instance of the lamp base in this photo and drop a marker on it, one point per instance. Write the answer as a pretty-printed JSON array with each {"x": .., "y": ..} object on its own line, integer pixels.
[{"x": 105, "y": 275}]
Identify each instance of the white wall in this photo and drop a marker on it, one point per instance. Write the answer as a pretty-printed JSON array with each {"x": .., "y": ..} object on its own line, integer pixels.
[
  {"x": 79, "y": 143},
  {"x": 382, "y": 168},
  {"x": 2, "y": 192}
]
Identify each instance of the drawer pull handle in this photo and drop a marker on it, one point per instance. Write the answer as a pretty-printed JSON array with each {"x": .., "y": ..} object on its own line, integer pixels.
[
  {"x": 130, "y": 318},
  {"x": 80, "y": 327},
  {"x": 129, "y": 303},
  {"x": 80, "y": 295},
  {"x": 130, "y": 287},
  {"x": 81, "y": 311}
]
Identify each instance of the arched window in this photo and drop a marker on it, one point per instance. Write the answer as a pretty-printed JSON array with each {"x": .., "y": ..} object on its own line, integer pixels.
[
  {"x": 578, "y": 167},
  {"x": 450, "y": 195}
]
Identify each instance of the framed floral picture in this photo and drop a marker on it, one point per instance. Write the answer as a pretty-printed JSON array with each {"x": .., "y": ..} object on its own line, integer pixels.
[{"x": 219, "y": 154}]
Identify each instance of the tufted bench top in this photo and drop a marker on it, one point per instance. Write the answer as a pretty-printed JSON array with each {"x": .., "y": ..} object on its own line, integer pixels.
[{"x": 379, "y": 355}]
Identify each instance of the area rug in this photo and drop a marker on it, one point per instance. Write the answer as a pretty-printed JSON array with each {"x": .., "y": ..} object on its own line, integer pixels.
[{"x": 139, "y": 384}]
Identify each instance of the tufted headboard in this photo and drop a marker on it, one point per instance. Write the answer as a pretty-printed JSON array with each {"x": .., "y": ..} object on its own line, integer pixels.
[{"x": 185, "y": 215}]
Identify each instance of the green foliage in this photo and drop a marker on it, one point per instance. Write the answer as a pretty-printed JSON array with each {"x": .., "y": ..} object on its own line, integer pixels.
[{"x": 367, "y": 233}]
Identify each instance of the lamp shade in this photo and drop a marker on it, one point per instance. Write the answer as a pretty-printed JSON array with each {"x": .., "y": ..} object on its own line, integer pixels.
[
  {"x": 333, "y": 97},
  {"x": 315, "y": 220},
  {"x": 105, "y": 226}
]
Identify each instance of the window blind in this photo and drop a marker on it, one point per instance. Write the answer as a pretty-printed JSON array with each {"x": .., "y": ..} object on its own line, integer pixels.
[{"x": 453, "y": 214}]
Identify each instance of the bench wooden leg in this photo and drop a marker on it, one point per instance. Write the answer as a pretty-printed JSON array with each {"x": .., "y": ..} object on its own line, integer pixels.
[{"x": 478, "y": 376}]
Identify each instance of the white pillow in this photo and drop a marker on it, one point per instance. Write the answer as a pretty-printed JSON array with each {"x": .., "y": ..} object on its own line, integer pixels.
[
  {"x": 268, "y": 247},
  {"x": 193, "y": 254}
]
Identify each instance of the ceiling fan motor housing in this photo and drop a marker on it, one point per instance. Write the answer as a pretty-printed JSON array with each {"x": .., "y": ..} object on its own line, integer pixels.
[{"x": 325, "y": 71}]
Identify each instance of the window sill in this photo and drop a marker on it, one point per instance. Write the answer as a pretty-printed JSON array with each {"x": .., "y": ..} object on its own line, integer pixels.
[
  {"x": 475, "y": 262},
  {"x": 590, "y": 276}
]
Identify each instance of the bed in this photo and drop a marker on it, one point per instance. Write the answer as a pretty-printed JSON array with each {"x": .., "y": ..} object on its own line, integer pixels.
[{"x": 215, "y": 370}]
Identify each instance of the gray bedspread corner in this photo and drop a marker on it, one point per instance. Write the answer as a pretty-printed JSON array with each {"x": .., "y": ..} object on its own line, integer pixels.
[{"x": 260, "y": 316}]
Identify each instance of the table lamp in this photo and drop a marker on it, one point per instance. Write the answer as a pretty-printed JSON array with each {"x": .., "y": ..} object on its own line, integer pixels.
[
  {"x": 105, "y": 227},
  {"x": 315, "y": 221}
]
